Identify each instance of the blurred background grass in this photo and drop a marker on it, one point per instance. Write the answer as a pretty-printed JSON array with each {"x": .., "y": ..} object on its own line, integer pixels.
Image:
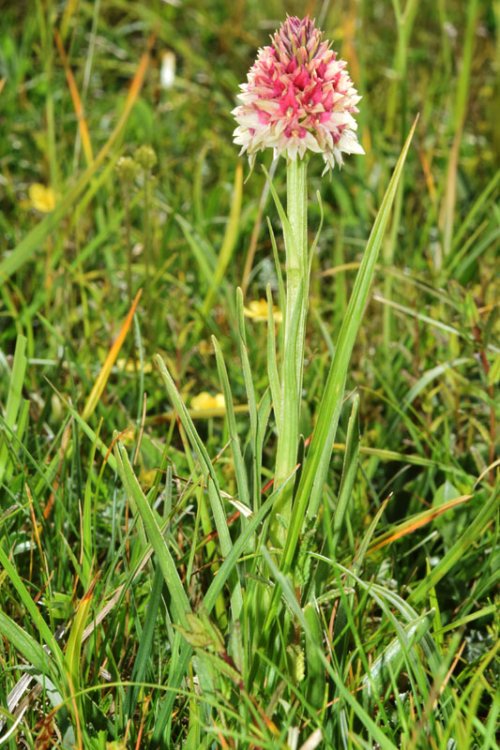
[{"x": 436, "y": 59}]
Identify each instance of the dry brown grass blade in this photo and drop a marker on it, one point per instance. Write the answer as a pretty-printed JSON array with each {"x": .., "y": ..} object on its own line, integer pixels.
[
  {"x": 408, "y": 527},
  {"x": 77, "y": 102},
  {"x": 133, "y": 93},
  {"x": 69, "y": 11},
  {"x": 110, "y": 360},
  {"x": 34, "y": 239}
]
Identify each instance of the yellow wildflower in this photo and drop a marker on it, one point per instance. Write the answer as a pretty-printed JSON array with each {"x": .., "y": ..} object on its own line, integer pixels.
[
  {"x": 129, "y": 365},
  {"x": 205, "y": 347},
  {"x": 147, "y": 477},
  {"x": 257, "y": 310},
  {"x": 42, "y": 198},
  {"x": 204, "y": 401},
  {"x": 128, "y": 435}
]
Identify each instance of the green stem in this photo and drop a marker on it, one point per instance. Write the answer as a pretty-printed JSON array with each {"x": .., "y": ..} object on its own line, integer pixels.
[
  {"x": 388, "y": 251},
  {"x": 292, "y": 355},
  {"x": 405, "y": 20},
  {"x": 147, "y": 228},
  {"x": 128, "y": 240}
]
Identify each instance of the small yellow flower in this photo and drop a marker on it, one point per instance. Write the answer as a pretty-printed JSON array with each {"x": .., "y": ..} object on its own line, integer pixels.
[
  {"x": 205, "y": 348},
  {"x": 204, "y": 401},
  {"x": 257, "y": 310},
  {"x": 147, "y": 477},
  {"x": 129, "y": 365},
  {"x": 42, "y": 198},
  {"x": 127, "y": 436}
]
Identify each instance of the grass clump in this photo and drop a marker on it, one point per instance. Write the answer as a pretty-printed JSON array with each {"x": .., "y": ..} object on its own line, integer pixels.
[{"x": 144, "y": 601}]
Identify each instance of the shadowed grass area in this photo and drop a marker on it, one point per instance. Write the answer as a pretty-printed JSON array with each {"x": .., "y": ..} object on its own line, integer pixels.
[{"x": 139, "y": 606}]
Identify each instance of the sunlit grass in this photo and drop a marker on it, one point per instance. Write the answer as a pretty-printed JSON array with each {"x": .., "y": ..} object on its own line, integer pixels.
[{"x": 137, "y": 601}]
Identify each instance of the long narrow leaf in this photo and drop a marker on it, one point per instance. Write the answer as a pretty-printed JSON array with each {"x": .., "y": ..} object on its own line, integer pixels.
[
  {"x": 14, "y": 399},
  {"x": 391, "y": 661},
  {"x": 213, "y": 483},
  {"x": 272, "y": 366},
  {"x": 223, "y": 575},
  {"x": 348, "y": 472},
  {"x": 180, "y": 602},
  {"x": 455, "y": 554},
  {"x": 291, "y": 600},
  {"x": 318, "y": 458},
  {"x": 27, "y": 646},
  {"x": 35, "y": 615},
  {"x": 239, "y": 465}
]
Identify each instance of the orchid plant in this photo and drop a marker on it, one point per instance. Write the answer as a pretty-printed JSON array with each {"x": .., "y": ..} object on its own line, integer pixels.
[
  {"x": 265, "y": 614},
  {"x": 298, "y": 99}
]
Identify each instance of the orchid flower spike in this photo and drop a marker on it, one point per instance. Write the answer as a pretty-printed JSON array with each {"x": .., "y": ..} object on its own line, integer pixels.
[{"x": 298, "y": 97}]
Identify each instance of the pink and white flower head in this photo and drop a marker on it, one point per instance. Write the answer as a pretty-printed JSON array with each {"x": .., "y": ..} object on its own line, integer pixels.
[{"x": 298, "y": 97}]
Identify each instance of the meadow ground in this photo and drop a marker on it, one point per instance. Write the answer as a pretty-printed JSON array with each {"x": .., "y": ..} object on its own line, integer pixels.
[{"x": 142, "y": 601}]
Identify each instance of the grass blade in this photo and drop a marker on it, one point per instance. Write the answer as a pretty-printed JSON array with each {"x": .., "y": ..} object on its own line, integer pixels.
[
  {"x": 229, "y": 241},
  {"x": 318, "y": 457},
  {"x": 213, "y": 483},
  {"x": 272, "y": 366},
  {"x": 291, "y": 600},
  {"x": 27, "y": 646},
  {"x": 239, "y": 464},
  {"x": 180, "y": 602},
  {"x": 391, "y": 661},
  {"x": 223, "y": 575},
  {"x": 456, "y": 553},
  {"x": 348, "y": 472},
  {"x": 45, "y": 632},
  {"x": 33, "y": 241},
  {"x": 14, "y": 400}
]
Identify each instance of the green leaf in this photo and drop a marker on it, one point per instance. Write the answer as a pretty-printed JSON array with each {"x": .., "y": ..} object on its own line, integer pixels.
[
  {"x": 494, "y": 373},
  {"x": 272, "y": 366},
  {"x": 223, "y": 575},
  {"x": 389, "y": 664},
  {"x": 455, "y": 554},
  {"x": 290, "y": 598},
  {"x": 256, "y": 454},
  {"x": 315, "y": 670},
  {"x": 277, "y": 266},
  {"x": 144, "y": 652},
  {"x": 318, "y": 457},
  {"x": 239, "y": 464},
  {"x": 200, "y": 450},
  {"x": 349, "y": 471},
  {"x": 14, "y": 401},
  {"x": 201, "y": 250},
  {"x": 180, "y": 602},
  {"x": 73, "y": 651},
  {"x": 45, "y": 632},
  {"x": 27, "y": 646}
]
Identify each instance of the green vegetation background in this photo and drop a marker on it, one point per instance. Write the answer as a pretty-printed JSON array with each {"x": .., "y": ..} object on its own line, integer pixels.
[{"x": 425, "y": 365}]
